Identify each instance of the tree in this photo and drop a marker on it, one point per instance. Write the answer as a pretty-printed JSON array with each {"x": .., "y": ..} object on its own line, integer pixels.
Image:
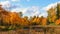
[
  {"x": 58, "y": 10},
  {"x": 51, "y": 15},
  {"x": 35, "y": 20},
  {"x": 57, "y": 22},
  {"x": 58, "y": 14},
  {"x": 20, "y": 14},
  {"x": 44, "y": 21},
  {"x": 26, "y": 20}
]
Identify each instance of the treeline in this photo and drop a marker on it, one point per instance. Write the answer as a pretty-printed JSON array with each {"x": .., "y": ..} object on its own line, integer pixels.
[
  {"x": 13, "y": 18},
  {"x": 54, "y": 15}
]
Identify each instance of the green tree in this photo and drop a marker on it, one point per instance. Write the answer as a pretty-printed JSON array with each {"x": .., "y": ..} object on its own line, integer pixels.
[
  {"x": 58, "y": 10},
  {"x": 20, "y": 14}
]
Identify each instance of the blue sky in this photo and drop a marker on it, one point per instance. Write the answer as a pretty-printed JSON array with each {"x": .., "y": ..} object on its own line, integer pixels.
[{"x": 29, "y": 7}]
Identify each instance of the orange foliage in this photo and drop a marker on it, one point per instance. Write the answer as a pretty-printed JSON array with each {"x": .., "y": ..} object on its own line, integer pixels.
[
  {"x": 6, "y": 19},
  {"x": 57, "y": 22},
  {"x": 10, "y": 17},
  {"x": 13, "y": 18},
  {"x": 24, "y": 22},
  {"x": 44, "y": 21}
]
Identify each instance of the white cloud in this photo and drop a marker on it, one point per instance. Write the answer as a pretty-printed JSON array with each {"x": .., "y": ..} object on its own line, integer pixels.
[
  {"x": 46, "y": 8},
  {"x": 36, "y": 10},
  {"x": 50, "y": 5},
  {"x": 5, "y": 4},
  {"x": 8, "y": 5},
  {"x": 43, "y": 14},
  {"x": 29, "y": 11},
  {"x": 19, "y": 10}
]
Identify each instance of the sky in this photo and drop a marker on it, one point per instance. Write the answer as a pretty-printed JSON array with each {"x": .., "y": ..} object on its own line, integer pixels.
[{"x": 29, "y": 7}]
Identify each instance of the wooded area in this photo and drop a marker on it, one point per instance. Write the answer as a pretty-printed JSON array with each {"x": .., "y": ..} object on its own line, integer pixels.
[{"x": 13, "y": 19}]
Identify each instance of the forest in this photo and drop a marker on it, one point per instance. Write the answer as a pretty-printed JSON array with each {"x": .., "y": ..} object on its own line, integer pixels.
[{"x": 13, "y": 19}]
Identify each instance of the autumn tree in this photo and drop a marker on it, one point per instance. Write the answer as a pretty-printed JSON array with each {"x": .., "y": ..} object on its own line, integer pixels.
[
  {"x": 51, "y": 15},
  {"x": 26, "y": 20},
  {"x": 3, "y": 15},
  {"x": 35, "y": 20},
  {"x": 57, "y": 22},
  {"x": 44, "y": 21},
  {"x": 32, "y": 22}
]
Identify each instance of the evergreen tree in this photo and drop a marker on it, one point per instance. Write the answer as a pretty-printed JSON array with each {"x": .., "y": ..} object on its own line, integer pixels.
[{"x": 58, "y": 10}]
